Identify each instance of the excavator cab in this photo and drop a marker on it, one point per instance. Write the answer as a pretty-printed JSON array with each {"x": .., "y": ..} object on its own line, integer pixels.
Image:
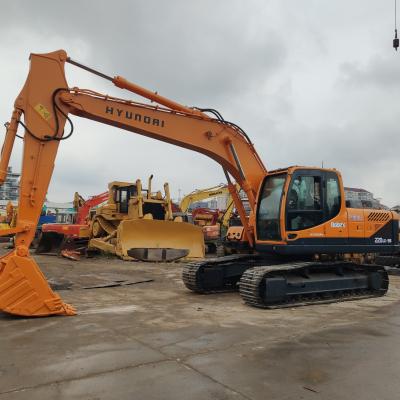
[
  {"x": 303, "y": 211},
  {"x": 294, "y": 202},
  {"x": 315, "y": 248},
  {"x": 310, "y": 246}
]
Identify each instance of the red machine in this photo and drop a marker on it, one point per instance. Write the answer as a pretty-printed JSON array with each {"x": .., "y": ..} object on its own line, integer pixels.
[
  {"x": 210, "y": 221},
  {"x": 85, "y": 207},
  {"x": 205, "y": 216},
  {"x": 59, "y": 236}
]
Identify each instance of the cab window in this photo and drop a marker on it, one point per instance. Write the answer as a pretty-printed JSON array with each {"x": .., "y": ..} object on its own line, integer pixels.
[
  {"x": 333, "y": 198},
  {"x": 313, "y": 198},
  {"x": 268, "y": 226},
  {"x": 304, "y": 203}
]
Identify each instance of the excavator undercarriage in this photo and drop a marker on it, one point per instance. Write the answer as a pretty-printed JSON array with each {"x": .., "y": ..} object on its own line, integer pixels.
[{"x": 271, "y": 282}]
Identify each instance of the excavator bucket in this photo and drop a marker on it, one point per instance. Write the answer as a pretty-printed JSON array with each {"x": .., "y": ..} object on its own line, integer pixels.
[
  {"x": 155, "y": 240},
  {"x": 24, "y": 290},
  {"x": 50, "y": 243},
  {"x": 55, "y": 243}
]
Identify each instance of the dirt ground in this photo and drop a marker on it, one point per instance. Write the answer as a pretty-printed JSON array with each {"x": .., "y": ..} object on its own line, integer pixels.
[{"x": 153, "y": 339}]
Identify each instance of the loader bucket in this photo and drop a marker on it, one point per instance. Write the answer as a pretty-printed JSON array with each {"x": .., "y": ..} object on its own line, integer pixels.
[
  {"x": 155, "y": 234},
  {"x": 24, "y": 290},
  {"x": 50, "y": 242}
]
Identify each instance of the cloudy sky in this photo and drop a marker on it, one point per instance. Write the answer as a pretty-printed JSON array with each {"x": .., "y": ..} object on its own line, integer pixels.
[{"x": 310, "y": 81}]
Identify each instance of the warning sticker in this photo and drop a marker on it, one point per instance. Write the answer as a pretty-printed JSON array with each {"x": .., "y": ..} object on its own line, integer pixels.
[{"x": 43, "y": 111}]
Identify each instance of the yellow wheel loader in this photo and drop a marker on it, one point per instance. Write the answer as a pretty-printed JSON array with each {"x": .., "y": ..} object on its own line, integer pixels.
[{"x": 138, "y": 224}]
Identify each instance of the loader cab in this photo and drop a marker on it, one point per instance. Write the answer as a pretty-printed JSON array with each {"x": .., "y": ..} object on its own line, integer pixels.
[
  {"x": 122, "y": 196},
  {"x": 295, "y": 200}
]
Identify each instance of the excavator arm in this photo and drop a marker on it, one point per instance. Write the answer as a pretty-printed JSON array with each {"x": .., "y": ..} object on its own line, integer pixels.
[
  {"x": 202, "y": 194},
  {"x": 45, "y": 102},
  {"x": 84, "y": 209}
]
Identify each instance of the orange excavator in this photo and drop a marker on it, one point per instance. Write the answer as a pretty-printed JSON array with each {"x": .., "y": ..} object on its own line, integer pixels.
[
  {"x": 303, "y": 238},
  {"x": 56, "y": 237}
]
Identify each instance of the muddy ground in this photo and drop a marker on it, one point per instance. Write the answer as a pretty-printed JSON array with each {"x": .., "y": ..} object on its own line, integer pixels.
[{"x": 153, "y": 339}]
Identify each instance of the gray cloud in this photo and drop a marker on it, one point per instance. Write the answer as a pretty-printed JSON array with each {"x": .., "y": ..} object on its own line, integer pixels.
[
  {"x": 380, "y": 73},
  {"x": 308, "y": 81}
]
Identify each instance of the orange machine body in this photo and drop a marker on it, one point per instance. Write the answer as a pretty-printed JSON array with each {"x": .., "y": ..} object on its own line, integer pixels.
[
  {"x": 324, "y": 225},
  {"x": 314, "y": 228},
  {"x": 45, "y": 103}
]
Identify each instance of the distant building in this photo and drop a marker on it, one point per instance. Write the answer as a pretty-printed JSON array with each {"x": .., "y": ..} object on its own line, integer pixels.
[
  {"x": 64, "y": 212},
  {"x": 361, "y": 198},
  {"x": 396, "y": 208},
  {"x": 222, "y": 202},
  {"x": 10, "y": 188},
  {"x": 218, "y": 202},
  {"x": 358, "y": 194},
  {"x": 56, "y": 208},
  {"x": 198, "y": 204},
  {"x": 49, "y": 207}
]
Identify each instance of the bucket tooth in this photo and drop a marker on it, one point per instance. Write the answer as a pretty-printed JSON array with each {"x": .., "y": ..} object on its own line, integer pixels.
[{"x": 24, "y": 290}]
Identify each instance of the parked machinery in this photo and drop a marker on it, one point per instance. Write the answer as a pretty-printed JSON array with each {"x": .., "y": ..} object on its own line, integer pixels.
[
  {"x": 6, "y": 217},
  {"x": 57, "y": 237},
  {"x": 210, "y": 222},
  {"x": 11, "y": 222},
  {"x": 302, "y": 234},
  {"x": 136, "y": 223},
  {"x": 202, "y": 194},
  {"x": 213, "y": 222}
]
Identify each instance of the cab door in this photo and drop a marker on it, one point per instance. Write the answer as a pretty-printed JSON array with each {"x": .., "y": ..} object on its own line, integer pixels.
[
  {"x": 123, "y": 200},
  {"x": 123, "y": 196},
  {"x": 305, "y": 200},
  {"x": 314, "y": 206}
]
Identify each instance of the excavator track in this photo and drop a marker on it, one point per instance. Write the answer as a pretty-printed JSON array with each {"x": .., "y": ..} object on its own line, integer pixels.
[
  {"x": 303, "y": 283},
  {"x": 218, "y": 275},
  {"x": 388, "y": 260}
]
